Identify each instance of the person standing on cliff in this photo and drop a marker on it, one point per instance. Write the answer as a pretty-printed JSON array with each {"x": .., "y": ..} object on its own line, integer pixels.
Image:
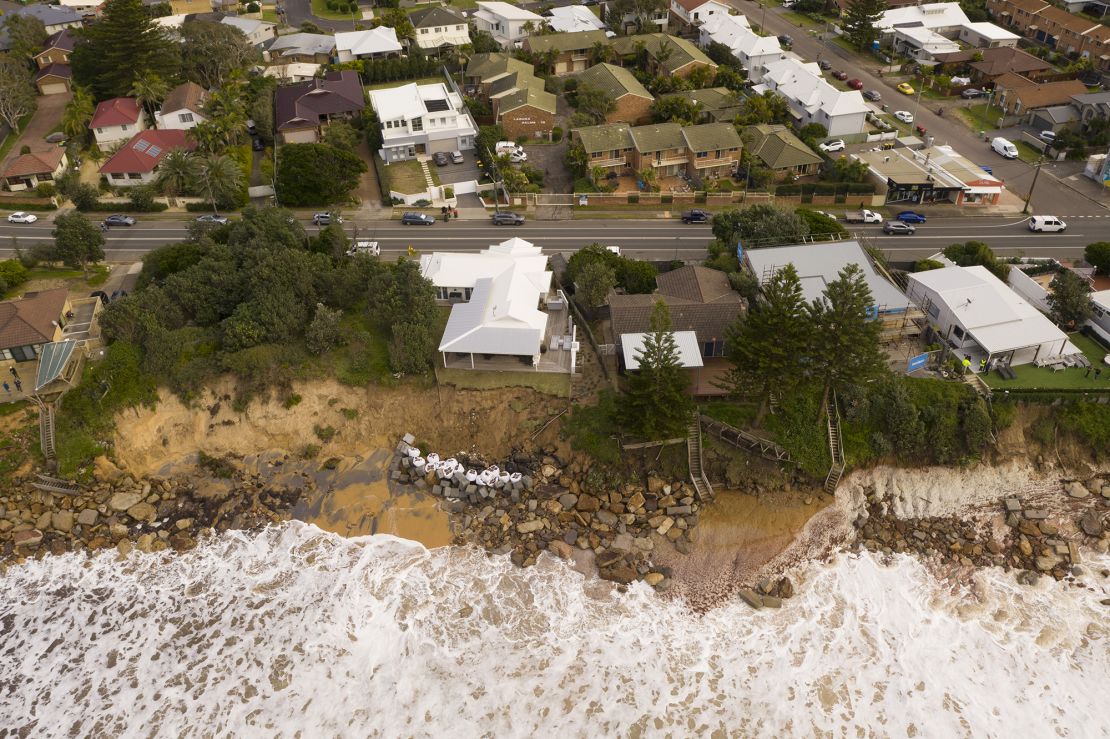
[
  {"x": 7, "y": 388},
  {"x": 18, "y": 385},
  {"x": 967, "y": 364},
  {"x": 14, "y": 373}
]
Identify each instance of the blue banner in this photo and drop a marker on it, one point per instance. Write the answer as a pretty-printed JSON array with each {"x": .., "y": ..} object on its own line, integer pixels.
[
  {"x": 739, "y": 251},
  {"x": 917, "y": 363}
]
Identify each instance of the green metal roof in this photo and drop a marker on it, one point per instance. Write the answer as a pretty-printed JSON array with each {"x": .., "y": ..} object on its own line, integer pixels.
[
  {"x": 606, "y": 137},
  {"x": 678, "y": 52},
  {"x": 485, "y": 66},
  {"x": 658, "y": 136},
  {"x": 52, "y": 361},
  {"x": 529, "y": 91},
  {"x": 715, "y": 103},
  {"x": 566, "y": 41},
  {"x": 712, "y": 136},
  {"x": 778, "y": 147},
  {"x": 615, "y": 81}
]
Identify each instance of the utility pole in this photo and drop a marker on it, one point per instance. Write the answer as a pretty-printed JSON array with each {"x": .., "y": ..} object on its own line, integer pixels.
[{"x": 1029, "y": 197}]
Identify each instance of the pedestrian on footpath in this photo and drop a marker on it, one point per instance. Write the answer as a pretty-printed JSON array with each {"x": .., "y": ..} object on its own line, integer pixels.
[
  {"x": 18, "y": 386},
  {"x": 7, "y": 388},
  {"x": 14, "y": 373}
]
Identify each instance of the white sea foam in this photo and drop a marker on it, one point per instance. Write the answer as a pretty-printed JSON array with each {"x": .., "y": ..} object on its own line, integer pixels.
[{"x": 295, "y": 632}]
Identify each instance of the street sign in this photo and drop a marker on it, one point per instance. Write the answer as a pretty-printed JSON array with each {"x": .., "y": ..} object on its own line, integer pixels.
[{"x": 916, "y": 363}]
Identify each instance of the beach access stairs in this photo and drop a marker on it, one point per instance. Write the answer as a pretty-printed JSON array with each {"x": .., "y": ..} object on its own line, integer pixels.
[
  {"x": 836, "y": 446},
  {"x": 745, "y": 440},
  {"x": 46, "y": 430},
  {"x": 694, "y": 456}
]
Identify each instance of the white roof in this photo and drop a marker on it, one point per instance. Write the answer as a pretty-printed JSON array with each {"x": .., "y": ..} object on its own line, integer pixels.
[
  {"x": 380, "y": 40},
  {"x": 1101, "y": 299},
  {"x": 930, "y": 15},
  {"x": 408, "y": 101},
  {"x": 803, "y": 83},
  {"x": 991, "y": 31},
  {"x": 928, "y": 39},
  {"x": 574, "y": 18},
  {"x": 996, "y": 317},
  {"x": 734, "y": 32},
  {"x": 171, "y": 21},
  {"x": 460, "y": 269},
  {"x": 292, "y": 70},
  {"x": 246, "y": 25},
  {"x": 819, "y": 264},
  {"x": 689, "y": 351},
  {"x": 508, "y": 12},
  {"x": 302, "y": 43}
]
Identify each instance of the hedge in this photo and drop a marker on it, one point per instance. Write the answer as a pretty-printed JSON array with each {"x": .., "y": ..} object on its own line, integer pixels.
[
  {"x": 204, "y": 207},
  {"x": 101, "y": 207},
  {"x": 13, "y": 205}
]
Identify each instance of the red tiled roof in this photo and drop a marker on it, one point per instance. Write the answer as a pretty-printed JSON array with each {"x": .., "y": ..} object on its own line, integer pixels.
[
  {"x": 115, "y": 112},
  {"x": 186, "y": 96},
  {"x": 31, "y": 319},
  {"x": 691, "y": 4},
  {"x": 37, "y": 162},
  {"x": 145, "y": 150}
]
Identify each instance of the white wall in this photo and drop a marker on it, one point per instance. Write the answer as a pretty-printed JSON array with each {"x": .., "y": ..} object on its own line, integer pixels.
[{"x": 1028, "y": 288}]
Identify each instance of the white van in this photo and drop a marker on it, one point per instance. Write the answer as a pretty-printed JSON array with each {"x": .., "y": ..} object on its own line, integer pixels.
[
  {"x": 1046, "y": 223},
  {"x": 1004, "y": 147}
]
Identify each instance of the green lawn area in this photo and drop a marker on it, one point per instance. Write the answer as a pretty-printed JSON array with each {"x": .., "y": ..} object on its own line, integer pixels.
[
  {"x": 1072, "y": 378},
  {"x": 395, "y": 83},
  {"x": 98, "y": 275},
  {"x": 320, "y": 10},
  {"x": 802, "y": 21},
  {"x": 407, "y": 177},
  {"x": 1027, "y": 152},
  {"x": 737, "y": 415},
  {"x": 979, "y": 118},
  {"x": 270, "y": 15},
  {"x": 11, "y": 138}
]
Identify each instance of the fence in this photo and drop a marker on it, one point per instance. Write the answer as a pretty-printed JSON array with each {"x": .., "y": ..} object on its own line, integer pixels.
[{"x": 683, "y": 201}]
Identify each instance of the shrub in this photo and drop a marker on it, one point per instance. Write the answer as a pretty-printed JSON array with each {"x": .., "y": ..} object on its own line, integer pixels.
[
  {"x": 583, "y": 184},
  {"x": 219, "y": 467},
  {"x": 253, "y": 8},
  {"x": 324, "y": 433},
  {"x": 557, "y": 134},
  {"x": 292, "y": 401},
  {"x": 633, "y": 199},
  {"x": 45, "y": 190},
  {"x": 324, "y": 333},
  {"x": 448, "y": 192}
]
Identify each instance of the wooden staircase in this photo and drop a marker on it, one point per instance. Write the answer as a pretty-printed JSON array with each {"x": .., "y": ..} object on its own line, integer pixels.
[
  {"x": 836, "y": 448},
  {"x": 693, "y": 453},
  {"x": 745, "y": 440},
  {"x": 46, "y": 430}
]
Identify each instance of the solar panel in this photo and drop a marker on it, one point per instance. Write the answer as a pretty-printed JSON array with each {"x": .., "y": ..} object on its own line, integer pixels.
[
  {"x": 141, "y": 145},
  {"x": 154, "y": 151},
  {"x": 435, "y": 106}
]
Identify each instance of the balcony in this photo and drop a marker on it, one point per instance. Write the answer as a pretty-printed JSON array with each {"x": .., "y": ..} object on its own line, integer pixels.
[
  {"x": 608, "y": 162},
  {"x": 668, "y": 160},
  {"x": 709, "y": 163}
]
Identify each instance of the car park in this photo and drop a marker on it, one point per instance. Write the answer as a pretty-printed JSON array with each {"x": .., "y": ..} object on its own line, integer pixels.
[
  {"x": 21, "y": 217},
  {"x": 897, "y": 227},
  {"x": 840, "y": 75},
  {"x": 905, "y": 88},
  {"x": 1046, "y": 224},
  {"x": 212, "y": 218},
  {"x": 873, "y": 96},
  {"x": 507, "y": 218},
  {"x": 909, "y": 216},
  {"x": 695, "y": 216},
  {"x": 855, "y": 84},
  {"x": 971, "y": 93},
  {"x": 119, "y": 220},
  {"x": 441, "y": 159},
  {"x": 904, "y": 115},
  {"x": 417, "y": 219},
  {"x": 457, "y": 157},
  {"x": 830, "y": 146}
]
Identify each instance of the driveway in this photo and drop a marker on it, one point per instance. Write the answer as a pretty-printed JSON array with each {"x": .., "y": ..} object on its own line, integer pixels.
[
  {"x": 548, "y": 158},
  {"x": 46, "y": 117},
  {"x": 299, "y": 11},
  {"x": 451, "y": 173}
]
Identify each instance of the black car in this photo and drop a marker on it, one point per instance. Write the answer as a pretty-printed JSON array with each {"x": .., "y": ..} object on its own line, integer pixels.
[
  {"x": 971, "y": 93},
  {"x": 441, "y": 158},
  {"x": 100, "y": 294},
  {"x": 417, "y": 219},
  {"x": 786, "y": 41},
  {"x": 872, "y": 95},
  {"x": 695, "y": 216},
  {"x": 257, "y": 144},
  {"x": 505, "y": 218},
  {"x": 824, "y": 65},
  {"x": 118, "y": 220},
  {"x": 897, "y": 227}
]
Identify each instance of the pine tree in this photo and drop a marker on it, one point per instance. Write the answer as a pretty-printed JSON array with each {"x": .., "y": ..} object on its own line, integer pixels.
[
  {"x": 124, "y": 44},
  {"x": 860, "y": 17},
  {"x": 657, "y": 406}
]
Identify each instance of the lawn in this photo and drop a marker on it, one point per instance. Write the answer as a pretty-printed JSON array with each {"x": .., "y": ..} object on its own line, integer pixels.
[
  {"x": 737, "y": 415},
  {"x": 1030, "y": 377},
  {"x": 11, "y": 138},
  {"x": 1027, "y": 152},
  {"x": 407, "y": 177},
  {"x": 98, "y": 275},
  {"x": 320, "y": 10},
  {"x": 395, "y": 83},
  {"x": 800, "y": 20},
  {"x": 979, "y": 118}
]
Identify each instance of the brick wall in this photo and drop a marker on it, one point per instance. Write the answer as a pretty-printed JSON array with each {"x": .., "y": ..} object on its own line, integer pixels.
[
  {"x": 527, "y": 121},
  {"x": 631, "y": 109}
]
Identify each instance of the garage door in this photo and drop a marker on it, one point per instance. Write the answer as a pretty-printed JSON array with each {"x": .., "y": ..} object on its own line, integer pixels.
[
  {"x": 53, "y": 88},
  {"x": 561, "y": 68},
  {"x": 447, "y": 145}
]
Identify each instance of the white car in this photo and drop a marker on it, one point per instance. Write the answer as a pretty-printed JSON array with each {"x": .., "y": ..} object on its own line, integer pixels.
[
  {"x": 615, "y": 249},
  {"x": 517, "y": 157},
  {"x": 1048, "y": 136},
  {"x": 904, "y": 115},
  {"x": 830, "y": 146},
  {"x": 1046, "y": 224},
  {"x": 21, "y": 217},
  {"x": 507, "y": 147}
]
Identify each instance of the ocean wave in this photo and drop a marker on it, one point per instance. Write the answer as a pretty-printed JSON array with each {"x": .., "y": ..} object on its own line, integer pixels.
[{"x": 297, "y": 632}]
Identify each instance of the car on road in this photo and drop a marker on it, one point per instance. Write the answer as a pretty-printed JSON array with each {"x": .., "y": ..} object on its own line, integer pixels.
[
  {"x": 855, "y": 84},
  {"x": 507, "y": 218},
  {"x": 904, "y": 115},
  {"x": 457, "y": 157},
  {"x": 21, "y": 217},
  {"x": 257, "y": 144},
  {"x": 417, "y": 219},
  {"x": 905, "y": 88},
  {"x": 830, "y": 146},
  {"x": 1047, "y": 136},
  {"x": 212, "y": 218},
  {"x": 786, "y": 40},
  {"x": 909, "y": 216},
  {"x": 325, "y": 219},
  {"x": 119, "y": 220},
  {"x": 872, "y": 95},
  {"x": 1046, "y": 224},
  {"x": 840, "y": 75},
  {"x": 56, "y": 138},
  {"x": 364, "y": 247},
  {"x": 863, "y": 216},
  {"x": 441, "y": 159},
  {"x": 897, "y": 227},
  {"x": 971, "y": 93},
  {"x": 615, "y": 249},
  {"x": 824, "y": 65},
  {"x": 695, "y": 216}
]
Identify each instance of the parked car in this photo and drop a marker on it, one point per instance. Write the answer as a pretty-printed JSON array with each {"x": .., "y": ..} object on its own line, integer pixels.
[
  {"x": 517, "y": 157},
  {"x": 971, "y": 93},
  {"x": 830, "y": 146},
  {"x": 325, "y": 219},
  {"x": 872, "y": 95},
  {"x": 863, "y": 216},
  {"x": 56, "y": 138},
  {"x": 21, "y": 217},
  {"x": 257, "y": 145},
  {"x": 904, "y": 115},
  {"x": 1047, "y": 136},
  {"x": 1046, "y": 224},
  {"x": 507, "y": 147},
  {"x": 1004, "y": 147},
  {"x": 212, "y": 218},
  {"x": 909, "y": 216},
  {"x": 986, "y": 169},
  {"x": 507, "y": 218},
  {"x": 457, "y": 157},
  {"x": 695, "y": 216},
  {"x": 251, "y": 128},
  {"x": 905, "y": 88},
  {"x": 786, "y": 40},
  {"x": 897, "y": 227},
  {"x": 441, "y": 159},
  {"x": 855, "y": 84},
  {"x": 118, "y": 220},
  {"x": 840, "y": 75},
  {"x": 615, "y": 249},
  {"x": 824, "y": 65},
  {"x": 417, "y": 219}
]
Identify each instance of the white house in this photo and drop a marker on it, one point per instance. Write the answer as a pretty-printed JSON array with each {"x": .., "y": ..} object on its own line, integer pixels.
[
  {"x": 503, "y": 288},
  {"x": 943, "y": 19},
  {"x": 116, "y": 119},
  {"x": 1100, "y": 321},
  {"x": 978, "y": 316},
  {"x": 922, "y": 44},
  {"x": 292, "y": 72},
  {"x": 696, "y": 12},
  {"x": 257, "y": 32},
  {"x": 505, "y": 22},
  {"x": 183, "y": 107},
  {"x": 373, "y": 43},
  {"x": 573, "y": 18},
  {"x": 984, "y": 35},
  {"x": 812, "y": 99},
  {"x": 753, "y": 51},
  {"x": 421, "y": 119},
  {"x": 437, "y": 28}
]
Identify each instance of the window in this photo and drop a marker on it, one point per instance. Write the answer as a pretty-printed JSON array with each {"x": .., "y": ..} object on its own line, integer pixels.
[
  {"x": 118, "y": 176},
  {"x": 134, "y": 176},
  {"x": 958, "y": 333},
  {"x": 439, "y": 30},
  {"x": 100, "y": 130},
  {"x": 5, "y": 354},
  {"x": 703, "y": 154},
  {"x": 123, "y": 127},
  {"x": 185, "y": 117},
  {"x": 417, "y": 124},
  {"x": 423, "y": 30}
]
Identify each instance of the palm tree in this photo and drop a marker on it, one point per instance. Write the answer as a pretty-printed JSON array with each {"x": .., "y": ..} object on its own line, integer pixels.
[
  {"x": 647, "y": 176},
  {"x": 148, "y": 90},
  {"x": 218, "y": 178},
  {"x": 227, "y": 112},
  {"x": 177, "y": 173},
  {"x": 78, "y": 112}
]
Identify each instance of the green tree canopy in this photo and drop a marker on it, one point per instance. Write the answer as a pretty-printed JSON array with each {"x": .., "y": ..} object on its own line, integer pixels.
[
  {"x": 123, "y": 44},
  {"x": 973, "y": 253},
  {"x": 17, "y": 95},
  {"x": 26, "y": 35},
  {"x": 677, "y": 109},
  {"x": 657, "y": 405},
  {"x": 211, "y": 52},
  {"x": 845, "y": 347},
  {"x": 593, "y": 102},
  {"x": 770, "y": 107},
  {"x": 78, "y": 241},
  {"x": 820, "y": 224},
  {"x": 759, "y": 225},
  {"x": 1098, "y": 256},
  {"x": 858, "y": 22},
  {"x": 1069, "y": 298},
  {"x": 594, "y": 282},
  {"x": 316, "y": 174}
]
